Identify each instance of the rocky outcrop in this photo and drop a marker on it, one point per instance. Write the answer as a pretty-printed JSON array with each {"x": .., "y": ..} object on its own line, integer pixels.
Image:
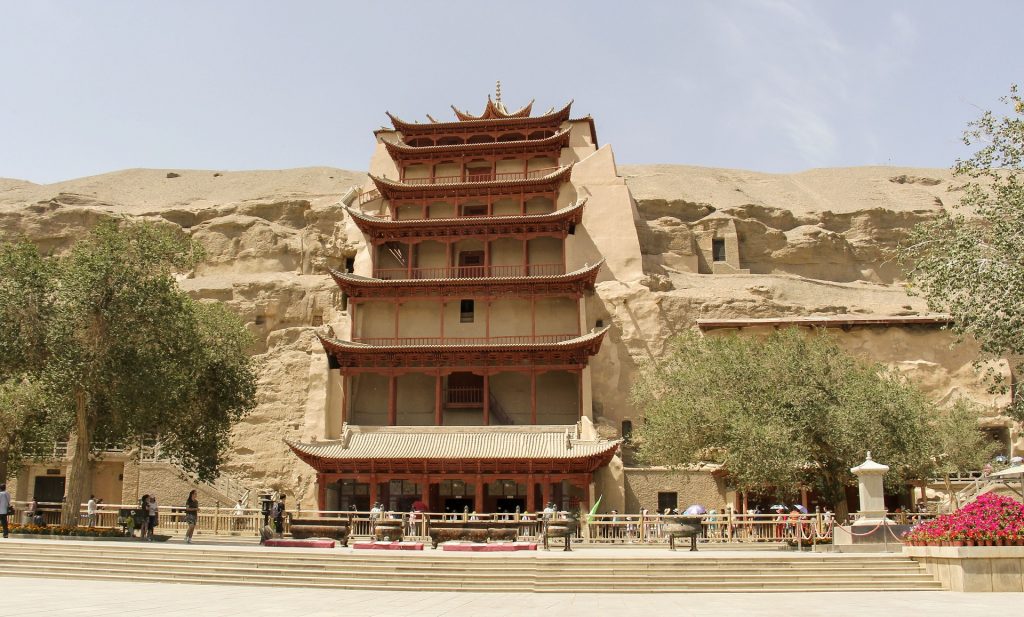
[{"x": 814, "y": 243}]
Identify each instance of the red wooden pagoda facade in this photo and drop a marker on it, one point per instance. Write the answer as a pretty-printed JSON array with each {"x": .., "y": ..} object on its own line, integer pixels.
[{"x": 463, "y": 375}]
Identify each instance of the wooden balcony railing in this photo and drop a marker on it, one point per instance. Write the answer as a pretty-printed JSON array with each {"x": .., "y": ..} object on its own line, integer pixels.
[
  {"x": 488, "y": 176},
  {"x": 462, "y": 340},
  {"x": 367, "y": 196},
  {"x": 464, "y": 397},
  {"x": 453, "y": 272}
]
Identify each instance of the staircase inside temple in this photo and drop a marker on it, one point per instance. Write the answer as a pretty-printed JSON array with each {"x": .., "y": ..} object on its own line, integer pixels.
[{"x": 636, "y": 571}]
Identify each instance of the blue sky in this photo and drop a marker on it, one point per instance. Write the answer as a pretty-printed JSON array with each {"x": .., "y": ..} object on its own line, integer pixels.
[{"x": 769, "y": 85}]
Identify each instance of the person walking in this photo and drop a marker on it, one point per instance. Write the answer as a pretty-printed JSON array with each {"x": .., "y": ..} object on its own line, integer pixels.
[
  {"x": 191, "y": 515},
  {"x": 5, "y": 508},
  {"x": 239, "y": 515}
]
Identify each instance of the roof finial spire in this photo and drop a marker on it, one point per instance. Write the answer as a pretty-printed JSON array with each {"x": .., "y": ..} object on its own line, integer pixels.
[{"x": 497, "y": 92}]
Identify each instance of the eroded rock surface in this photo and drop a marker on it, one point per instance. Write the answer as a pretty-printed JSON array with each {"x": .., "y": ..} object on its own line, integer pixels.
[{"x": 814, "y": 243}]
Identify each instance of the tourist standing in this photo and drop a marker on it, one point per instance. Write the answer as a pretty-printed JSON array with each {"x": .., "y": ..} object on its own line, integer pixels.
[
  {"x": 154, "y": 511},
  {"x": 239, "y": 514},
  {"x": 142, "y": 517},
  {"x": 5, "y": 508},
  {"x": 191, "y": 515},
  {"x": 90, "y": 511},
  {"x": 279, "y": 515}
]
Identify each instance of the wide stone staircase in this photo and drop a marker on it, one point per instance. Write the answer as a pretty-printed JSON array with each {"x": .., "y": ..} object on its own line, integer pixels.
[{"x": 633, "y": 571}]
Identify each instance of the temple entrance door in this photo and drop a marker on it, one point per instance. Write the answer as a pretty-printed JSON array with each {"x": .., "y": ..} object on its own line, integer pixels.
[
  {"x": 404, "y": 503},
  {"x": 50, "y": 489},
  {"x": 509, "y": 505},
  {"x": 457, "y": 505}
]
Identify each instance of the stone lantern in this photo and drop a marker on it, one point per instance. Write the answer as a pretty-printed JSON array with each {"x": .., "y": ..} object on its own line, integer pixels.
[{"x": 870, "y": 480}]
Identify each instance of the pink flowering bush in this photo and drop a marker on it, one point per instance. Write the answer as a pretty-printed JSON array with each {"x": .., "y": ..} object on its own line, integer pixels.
[{"x": 990, "y": 519}]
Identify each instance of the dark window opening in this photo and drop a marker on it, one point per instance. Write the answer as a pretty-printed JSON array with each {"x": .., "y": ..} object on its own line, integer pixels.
[
  {"x": 572, "y": 229},
  {"x": 474, "y": 210},
  {"x": 668, "y": 501},
  {"x": 344, "y": 301},
  {"x": 350, "y": 264},
  {"x": 599, "y": 323},
  {"x": 627, "y": 429},
  {"x": 718, "y": 249},
  {"x": 260, "y": 320},
  {"x": 318, "y": 320},
  {"x": 466, "y": 311}
]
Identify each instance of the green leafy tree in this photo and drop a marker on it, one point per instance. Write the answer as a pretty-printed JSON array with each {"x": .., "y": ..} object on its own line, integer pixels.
[
  {"x": 961, "y": 446},
  {"x": 126, "y": 353},
  {"x": 970, "y": 262},
  {"x": 781, "y": 412},
  {"x": 26, "y": 305}
]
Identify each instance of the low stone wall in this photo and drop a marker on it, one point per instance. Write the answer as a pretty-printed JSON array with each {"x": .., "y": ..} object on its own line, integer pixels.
[{"x": 972, "y": 568}]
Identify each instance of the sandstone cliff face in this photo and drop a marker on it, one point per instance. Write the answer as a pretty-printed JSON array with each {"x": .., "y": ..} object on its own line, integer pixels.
[{"x": 814, "y": 243}]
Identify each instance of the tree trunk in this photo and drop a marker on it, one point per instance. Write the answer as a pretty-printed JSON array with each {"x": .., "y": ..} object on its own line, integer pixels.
[
  {"x": 842, "y": 510},
  {"x": 78, "y": 466},
  {"x": 4, "y": 457}
]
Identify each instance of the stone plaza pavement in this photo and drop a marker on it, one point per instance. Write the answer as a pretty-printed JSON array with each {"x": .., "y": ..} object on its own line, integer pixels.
[{"x": 29, "y": 597}]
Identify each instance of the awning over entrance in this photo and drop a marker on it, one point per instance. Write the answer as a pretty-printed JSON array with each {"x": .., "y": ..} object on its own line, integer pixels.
[{"x": 457, "y": 449}]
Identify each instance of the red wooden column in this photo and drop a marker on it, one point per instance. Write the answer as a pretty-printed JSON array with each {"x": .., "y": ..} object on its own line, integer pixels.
[
  {"x": 321, "y": 491},
  {"x": 344, "y": 398},
  {"x": 374, "y": 497},
  {"x": 442, "y": 317},
  {"x": 487, "y": 399},
  {"x": 533, "y": 317},
  {"x": 545, "y": 490},
  {"x": 438, "y": 412},
  {"x": 579, "y": 394},
  {"x": 478, "y": 497},
  {"x": 533, "y": 397},
  {"x": 448, "y": 258},
  {"x": 425, "y": 490},
  {"x": 392, "y": 399},
  {"x": 531, "y": 494},
  {"x": 526, "y": 257},
  {"x": 408, "y": 260}
]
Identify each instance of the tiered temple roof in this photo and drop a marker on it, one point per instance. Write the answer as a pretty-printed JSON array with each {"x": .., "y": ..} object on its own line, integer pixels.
[
  {"x": 401, "y": 151},
  {"x": 494, "y": 110},
  {"x": 476, "y": 449},
  {"x": 554, "y": 352},
  {"x": 539, "y": 181},
  {"x": 557, "y": 223},
  {"x": 573, "y": 283},
  {"x": 551, "y": 119}
]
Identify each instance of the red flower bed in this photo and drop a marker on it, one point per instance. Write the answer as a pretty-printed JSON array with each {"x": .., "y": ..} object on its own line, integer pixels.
[{"x": 992, "y": 520}]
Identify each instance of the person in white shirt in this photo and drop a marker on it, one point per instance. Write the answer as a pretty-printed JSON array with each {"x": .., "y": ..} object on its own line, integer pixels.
[
  {"x": 90, "y": 510},
  {"x": 5, "y": 508}
]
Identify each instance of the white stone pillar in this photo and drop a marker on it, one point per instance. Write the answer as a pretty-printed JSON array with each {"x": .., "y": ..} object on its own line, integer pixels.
[{"x": 870, "y": 481}]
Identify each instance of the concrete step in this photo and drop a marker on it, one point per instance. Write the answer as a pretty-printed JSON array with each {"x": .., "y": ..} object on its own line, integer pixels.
[
  {"x": 643, "y": 587},
  {"x": 492, "y": 575}
]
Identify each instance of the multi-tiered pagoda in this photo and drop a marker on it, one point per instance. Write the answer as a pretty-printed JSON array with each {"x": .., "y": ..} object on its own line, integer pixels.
[{"x": 464, "y": 380}]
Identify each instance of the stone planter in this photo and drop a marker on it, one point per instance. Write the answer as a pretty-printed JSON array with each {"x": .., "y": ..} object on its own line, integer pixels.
[{"x": 972, "y": 568}]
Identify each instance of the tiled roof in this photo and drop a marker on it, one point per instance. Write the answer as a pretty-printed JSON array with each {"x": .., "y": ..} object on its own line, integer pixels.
[
  {"x": 400, "y": 147},
  {"x": 332, "y": 345},
  {"x": 457, "y": 442},
  {"x": 388, "y": 187},
  {"x": 463, "y": 221},
  {"x": 828, "y": 321},
  {"x": 364, "y": 281},
  {"x": 494, "y": 110},
  {"x": 410, "y": 128}
]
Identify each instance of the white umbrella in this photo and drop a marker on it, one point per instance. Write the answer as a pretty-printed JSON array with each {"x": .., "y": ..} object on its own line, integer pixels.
[{"x": 1016, "y": 470}]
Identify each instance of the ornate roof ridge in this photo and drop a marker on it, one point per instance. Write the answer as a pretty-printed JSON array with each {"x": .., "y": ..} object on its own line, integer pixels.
[{"x": 494, "y": 110}]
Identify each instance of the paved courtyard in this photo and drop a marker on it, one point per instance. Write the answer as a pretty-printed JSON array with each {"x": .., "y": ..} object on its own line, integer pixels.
[{"x": 27, "y": 597}]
